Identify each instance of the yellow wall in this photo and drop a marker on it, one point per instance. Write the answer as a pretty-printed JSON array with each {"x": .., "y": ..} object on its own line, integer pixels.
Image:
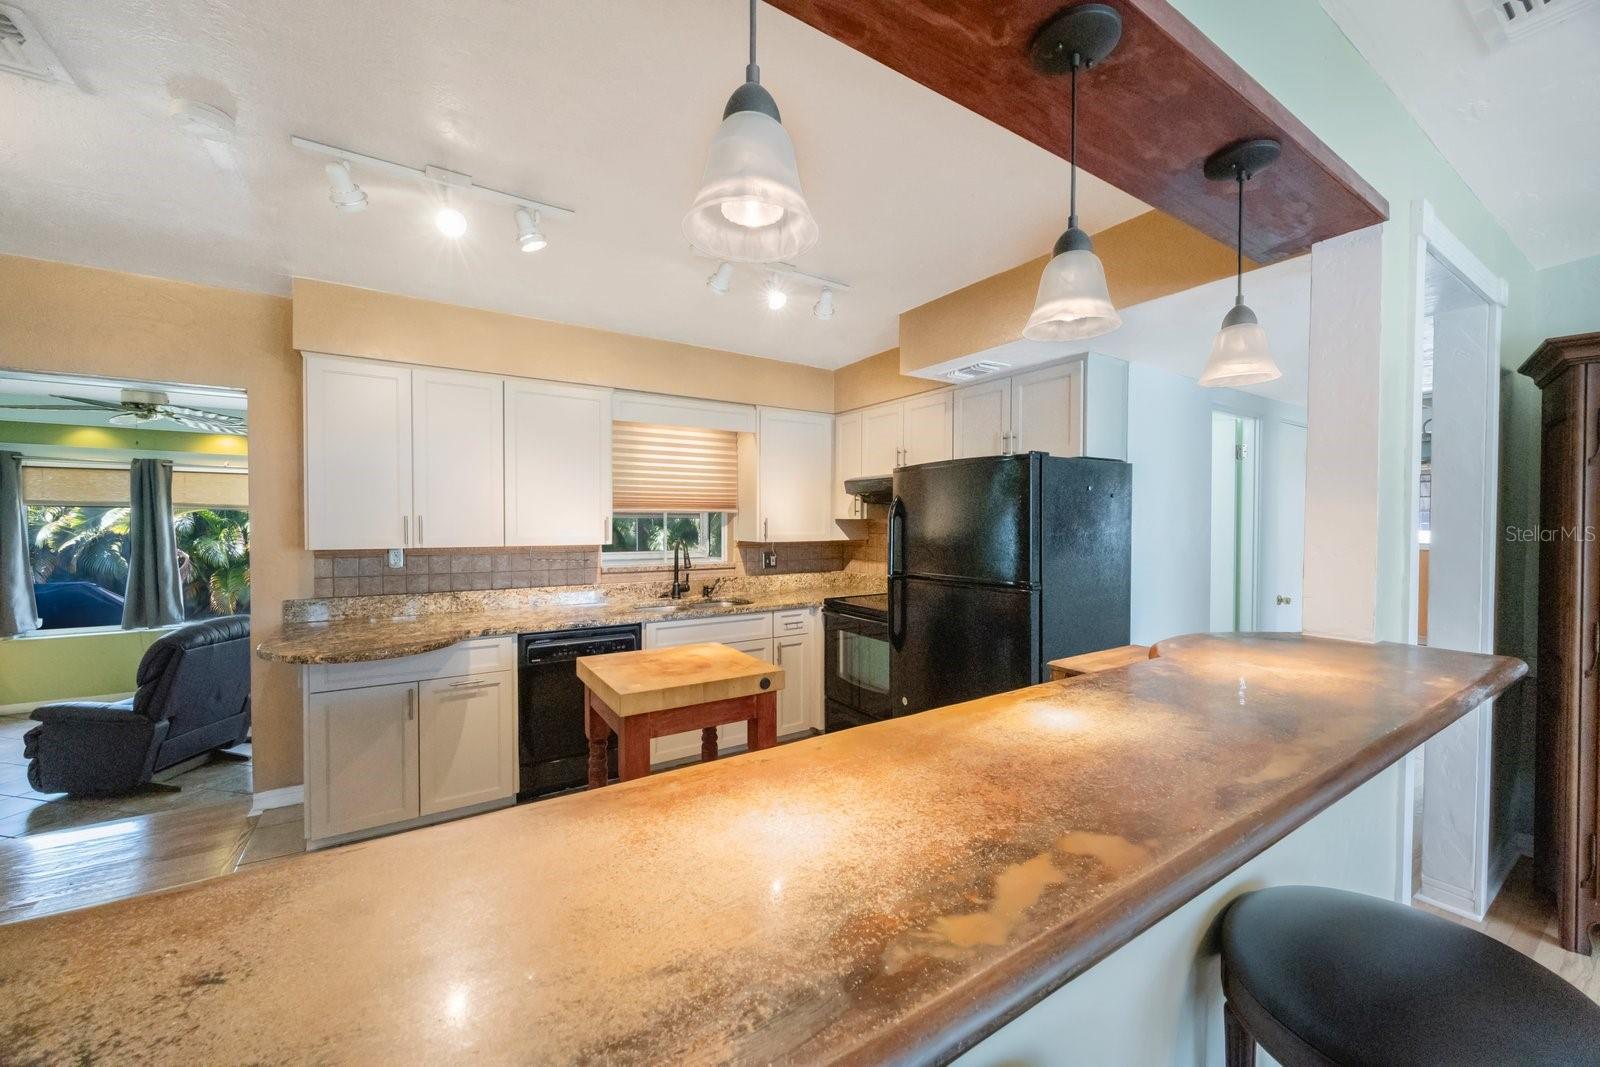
[
  {"x": 402, "y": 329},
  {"x": 44, "y": 668},
  {"x": 876, "y": 380}
]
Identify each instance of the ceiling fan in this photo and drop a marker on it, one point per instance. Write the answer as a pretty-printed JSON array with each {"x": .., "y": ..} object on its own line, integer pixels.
[{"x": 139, "y": 406}]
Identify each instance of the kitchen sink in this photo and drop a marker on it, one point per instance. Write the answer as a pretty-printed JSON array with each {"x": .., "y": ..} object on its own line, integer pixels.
[
  {"x": 657, "y": 607},
  {"x": 721, "y": 602},
  {"x": 667, "y": 607}
]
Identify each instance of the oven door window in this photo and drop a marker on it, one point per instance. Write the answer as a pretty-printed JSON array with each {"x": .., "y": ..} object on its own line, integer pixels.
[{"x": 861, "y": 664}]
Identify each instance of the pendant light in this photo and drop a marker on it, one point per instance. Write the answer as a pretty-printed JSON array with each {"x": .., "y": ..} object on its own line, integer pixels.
[
  {"x": 750, "y": 208},
  {"x": 1073, "y": 302},
  {"x": 1239, "y": 355}
]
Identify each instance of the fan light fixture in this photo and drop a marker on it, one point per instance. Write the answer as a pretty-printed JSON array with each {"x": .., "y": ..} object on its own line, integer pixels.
[
  {"x": 1073, "y": 302},
  {"x": 750, "y": 208},
  {"x": 1240, "y": 355},
  {"x": 529, "y": 237}
]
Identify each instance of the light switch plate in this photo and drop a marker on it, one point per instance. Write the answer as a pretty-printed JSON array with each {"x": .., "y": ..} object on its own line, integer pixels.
[{"x": 397, "y": 558}]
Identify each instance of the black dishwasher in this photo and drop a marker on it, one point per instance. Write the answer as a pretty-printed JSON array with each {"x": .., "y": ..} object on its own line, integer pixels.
[{"x": 552, "y": 747}]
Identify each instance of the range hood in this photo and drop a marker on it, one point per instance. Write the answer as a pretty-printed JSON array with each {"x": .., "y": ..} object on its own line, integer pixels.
[{"x": 879, "y": 490}]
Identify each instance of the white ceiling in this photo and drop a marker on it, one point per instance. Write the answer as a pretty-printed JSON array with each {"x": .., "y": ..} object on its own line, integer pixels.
[
  {"x": 605, "y": 107},
  {"x": 1174, "y": 333},
  {"x": 1520, "y": 122}
]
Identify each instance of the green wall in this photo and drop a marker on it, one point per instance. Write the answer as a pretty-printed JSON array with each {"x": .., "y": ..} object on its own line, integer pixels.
[
  {"x": 122, "y": 438},
  {"x": 1298, "y": 53},
  {"x": 1569, "y": 298},
  {"x": 39, "y": 669}
]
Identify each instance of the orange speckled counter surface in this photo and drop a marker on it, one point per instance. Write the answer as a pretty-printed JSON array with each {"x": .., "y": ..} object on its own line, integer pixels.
[{"x": 892, "y": 892}]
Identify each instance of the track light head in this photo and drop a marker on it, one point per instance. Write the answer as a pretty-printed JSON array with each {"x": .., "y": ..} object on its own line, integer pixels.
[
  {"x": 721, "y": 279},
  {"x": 824, "y": 305},
  {"x": 451, "y": 222},
  {"x": 776, "y": 297},
  {"x": 343, "y": 191},
  {"x": 529, "y": 237}
]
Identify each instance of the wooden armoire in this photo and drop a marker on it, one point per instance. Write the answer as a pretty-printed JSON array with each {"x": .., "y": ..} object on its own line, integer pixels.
[{"x": 1567, "y": 777}]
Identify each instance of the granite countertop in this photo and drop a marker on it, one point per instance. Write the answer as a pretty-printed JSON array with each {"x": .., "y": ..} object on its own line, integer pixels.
[
  {"x": 893, "y": 892},
  {"x": 357, "y": 640}
]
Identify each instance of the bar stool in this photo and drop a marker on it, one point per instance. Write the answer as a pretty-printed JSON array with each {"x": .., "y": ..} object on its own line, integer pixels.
[{"x": 1325, "y": 978}]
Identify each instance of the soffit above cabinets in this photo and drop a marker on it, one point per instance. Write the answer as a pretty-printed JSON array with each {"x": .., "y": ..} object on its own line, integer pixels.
[{"x": 1150, "y": 115}]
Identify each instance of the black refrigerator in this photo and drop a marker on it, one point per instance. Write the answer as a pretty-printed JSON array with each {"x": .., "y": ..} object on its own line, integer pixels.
[{"x": 1000, "y": 564}]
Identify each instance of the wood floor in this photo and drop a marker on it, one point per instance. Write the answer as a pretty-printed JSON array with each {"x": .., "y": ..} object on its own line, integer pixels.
[{"x": 1524, "y": 918}]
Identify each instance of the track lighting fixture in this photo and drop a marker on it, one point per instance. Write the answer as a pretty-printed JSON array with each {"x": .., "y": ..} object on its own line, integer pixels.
[
  {"x": 343, "y": 191},
  {"x": 451, "y": 222},
  {"x": 346, "y": 195},
  {"x": 1073, "y": 302},
  {"x": 776, "y": 297},
  {"x": 721, "y": 279},
  {"x": 750, "y": 208},
  {"x": 1240, "y": 355},
  {"x": 529, "y": 237},
  {"x": 823, "y": 309}
]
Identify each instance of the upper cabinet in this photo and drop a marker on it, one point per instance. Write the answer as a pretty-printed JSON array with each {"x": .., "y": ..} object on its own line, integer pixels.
[
  {"x": 402, "y": 457},
  {"x": 792, "y": 478},
  {"x": 357, "y": 453},
  {"x": 457, "y": 459},
  {"x": 903, "y": 432},
  {"x": 557, "y": 464},
  {"x": 1075, "y": 408},
  {"x": 846, "y": 465}
]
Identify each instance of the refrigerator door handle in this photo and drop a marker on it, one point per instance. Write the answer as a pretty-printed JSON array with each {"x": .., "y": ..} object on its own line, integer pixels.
[{"x": 897, "y": 511}]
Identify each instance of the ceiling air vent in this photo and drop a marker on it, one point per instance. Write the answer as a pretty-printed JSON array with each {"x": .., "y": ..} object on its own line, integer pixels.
[
  {"x": 979, "y": 369},
  {"x": 23, "y": 51},
  {"x": 1504, "y": 21}
]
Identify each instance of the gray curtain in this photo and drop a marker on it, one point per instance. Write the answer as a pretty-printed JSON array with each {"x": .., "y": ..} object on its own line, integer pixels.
[
  {"x": 155, "y": 595},
  {"x": 19, "y": 614}
]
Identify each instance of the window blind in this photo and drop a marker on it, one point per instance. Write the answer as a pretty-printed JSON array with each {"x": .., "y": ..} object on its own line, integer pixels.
[
  {"x": 673, "y": 468},
  {"x": 108, "y": 487}
]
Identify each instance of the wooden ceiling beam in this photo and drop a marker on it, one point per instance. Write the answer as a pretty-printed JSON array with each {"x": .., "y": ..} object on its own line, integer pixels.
[{"x": 1149, "y": 115}]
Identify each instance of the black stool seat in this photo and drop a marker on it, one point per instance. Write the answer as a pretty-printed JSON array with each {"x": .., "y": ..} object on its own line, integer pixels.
[{"x": 1323, "y": 976}]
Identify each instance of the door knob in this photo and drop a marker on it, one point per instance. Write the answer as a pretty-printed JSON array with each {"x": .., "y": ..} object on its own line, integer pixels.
[{"x": 1285, "y": 599}]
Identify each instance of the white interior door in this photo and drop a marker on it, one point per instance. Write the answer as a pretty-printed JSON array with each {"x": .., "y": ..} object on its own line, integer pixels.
[
  {"x": 361, "y": 759},
  {"x": 983, "y": 419},
  {"x": 1284, "y": 512},
  {"x": 557, "y": 464},
  {"x": 929, "y": 428},
  {"x": 467, "y": 741},
  {"x": 358, "y": 454},
  {"x": 1047, "y": 410},
  {"x": 882, "y": 438},
  {"x": 458, "y": 449}
]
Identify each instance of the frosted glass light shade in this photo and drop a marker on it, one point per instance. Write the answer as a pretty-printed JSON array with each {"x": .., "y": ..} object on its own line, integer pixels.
[
  {"x": 1239, "y": 355},
  {"x": 1073, "y": 302},
  {"x": 750, "y": 208}
]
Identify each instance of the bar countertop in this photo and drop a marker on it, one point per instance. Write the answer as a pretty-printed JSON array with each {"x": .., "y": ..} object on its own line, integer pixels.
[{"x": 890, "y": 893}]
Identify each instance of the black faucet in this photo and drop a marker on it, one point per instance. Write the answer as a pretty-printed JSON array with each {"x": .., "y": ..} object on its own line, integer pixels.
[{"x": 680, "y": 587}]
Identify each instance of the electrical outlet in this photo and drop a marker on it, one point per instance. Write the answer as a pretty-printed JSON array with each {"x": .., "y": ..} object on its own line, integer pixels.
[
  {"x": 397, "y": 558},
  {"x": 769, "y": 558}
]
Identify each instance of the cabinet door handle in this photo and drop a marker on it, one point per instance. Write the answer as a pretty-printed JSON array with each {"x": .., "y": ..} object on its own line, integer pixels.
[
  {"x": 470, "y": 684},
  {"x": 405, "y": 531},
  {"x": 411, "y": 704},
  {"x": 420, "y": 541},
  {"x": 763, "y": 529},
  {"x": 1594, "y": 648}
]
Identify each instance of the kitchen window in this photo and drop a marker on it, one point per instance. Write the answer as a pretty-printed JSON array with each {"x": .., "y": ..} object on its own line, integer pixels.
[{"x": 650, "y": 537}]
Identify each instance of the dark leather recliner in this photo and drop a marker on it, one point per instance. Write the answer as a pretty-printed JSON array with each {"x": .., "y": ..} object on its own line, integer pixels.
[{"x": 193, "y": 696}]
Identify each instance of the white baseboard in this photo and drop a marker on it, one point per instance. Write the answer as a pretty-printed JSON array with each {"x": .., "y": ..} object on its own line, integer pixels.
[
  {"x": 1449, "y": 898},
  {"x": 27, "y": 706},
  {"x": 1500, "y": 870},
  {"x": 287, "y": 797}
]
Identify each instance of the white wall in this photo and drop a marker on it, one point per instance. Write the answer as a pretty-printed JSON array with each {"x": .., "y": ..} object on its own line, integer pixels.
[{"x": 1169, "y": 445}]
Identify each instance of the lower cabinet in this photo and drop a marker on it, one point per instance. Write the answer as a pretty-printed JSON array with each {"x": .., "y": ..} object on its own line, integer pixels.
[
  {"x": 789, "y": 639},
  {"x": 396, "y": 741}
]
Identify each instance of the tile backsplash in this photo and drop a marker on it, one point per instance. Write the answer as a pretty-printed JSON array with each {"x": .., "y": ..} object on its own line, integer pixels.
[{"x": 445, "y": 570}]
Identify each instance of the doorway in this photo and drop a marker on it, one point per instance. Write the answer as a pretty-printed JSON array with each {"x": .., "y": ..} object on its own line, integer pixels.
[
  {"x": 1235, "y": 494},
  {"x": 1456, "y": 861}
]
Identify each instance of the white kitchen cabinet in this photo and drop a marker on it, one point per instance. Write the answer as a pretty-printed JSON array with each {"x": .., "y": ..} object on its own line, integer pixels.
[
  {"x": 983, "y": 419},
  {"x": 557, "y": 464},
  {"x": 466, "y": 741},
  {"x": 357, "y": 454},
  {"x": 929, "y": 428},
  {"x": 458, "y": 467},
  {"x": 1078, "y": 407},
  {"x": 883, "y": 438},
  {"x": 797, "y": 648},
  {"x": 361, "y": 759},
  {"x": 793, "y": 478},
  {"x": 846, "y": 465}
]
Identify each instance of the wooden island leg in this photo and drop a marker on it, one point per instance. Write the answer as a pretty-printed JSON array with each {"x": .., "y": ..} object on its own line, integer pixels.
[
  {"x": 633, "y": 750},
  {"x": 599, "y": 734},
  {"x": 763, "y": 725},
  {"x": 708, "y": 743}
]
